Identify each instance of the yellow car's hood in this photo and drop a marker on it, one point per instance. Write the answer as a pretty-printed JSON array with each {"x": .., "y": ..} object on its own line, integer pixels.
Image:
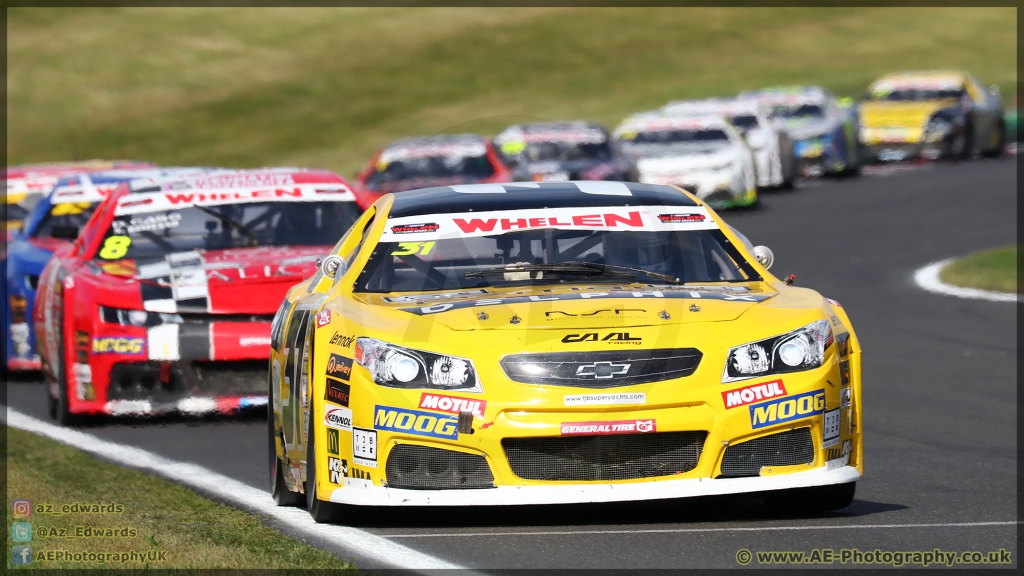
[
  {"x": 906, "y": 114},
  {"x": 897, "y": 121},
  {"x": 569, "y": 307}
]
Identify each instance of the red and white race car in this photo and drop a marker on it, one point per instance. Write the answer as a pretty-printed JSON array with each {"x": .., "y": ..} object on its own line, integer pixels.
[
  {"x": 164, "y": 302},
  {"x": 423, "y": 162}
]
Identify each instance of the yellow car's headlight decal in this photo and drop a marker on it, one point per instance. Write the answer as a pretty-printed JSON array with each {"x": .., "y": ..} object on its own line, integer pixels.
[
  {"x": 400, "y": 367},
  {"x": 801, "y": 349}
]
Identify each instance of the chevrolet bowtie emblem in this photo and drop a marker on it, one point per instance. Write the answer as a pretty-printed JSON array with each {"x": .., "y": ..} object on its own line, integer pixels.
[{"x": 601, "y": 370}]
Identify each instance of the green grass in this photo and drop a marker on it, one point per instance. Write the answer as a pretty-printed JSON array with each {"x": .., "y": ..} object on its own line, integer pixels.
[
  {"x": 194, "y": 532},
  {"x": 325, "y": 87},
  {"x": 994, "y": 269}
]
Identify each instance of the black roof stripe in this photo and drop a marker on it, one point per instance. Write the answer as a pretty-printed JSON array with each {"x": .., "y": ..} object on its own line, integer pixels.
[{"x": 445, "y": 200}]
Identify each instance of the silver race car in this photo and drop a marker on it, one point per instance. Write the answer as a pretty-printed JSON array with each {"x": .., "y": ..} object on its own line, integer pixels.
[
  {"x": 702, "y": 154},
  {"x": 772, "y": 147}
]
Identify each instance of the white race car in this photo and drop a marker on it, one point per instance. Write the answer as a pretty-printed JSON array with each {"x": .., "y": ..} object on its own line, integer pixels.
[
  {"x": 773, "y": 149},
  {"x": 705, "y": 155}
]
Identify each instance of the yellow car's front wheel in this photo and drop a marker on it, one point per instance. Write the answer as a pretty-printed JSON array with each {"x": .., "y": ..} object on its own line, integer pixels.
[{"x": 321, "y": 511}]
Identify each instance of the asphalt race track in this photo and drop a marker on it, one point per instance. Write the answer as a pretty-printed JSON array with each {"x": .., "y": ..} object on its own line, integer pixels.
[{"x": 940, "y": 398}]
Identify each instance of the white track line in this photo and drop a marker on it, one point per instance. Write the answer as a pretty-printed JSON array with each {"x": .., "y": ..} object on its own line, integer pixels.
[
  {"x": 377, "y": 550},
  {"x": 928, "y": 279},
  {"x": 702, "y": 530}
]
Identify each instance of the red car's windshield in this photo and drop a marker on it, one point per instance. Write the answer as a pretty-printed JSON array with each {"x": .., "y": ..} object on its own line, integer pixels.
[{"x": 217, "y": 227}]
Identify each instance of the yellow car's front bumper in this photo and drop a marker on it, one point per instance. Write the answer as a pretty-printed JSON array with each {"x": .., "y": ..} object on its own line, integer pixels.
[
  {"x": 363, "y": 492},
  {"x": 823, "y": 390}
]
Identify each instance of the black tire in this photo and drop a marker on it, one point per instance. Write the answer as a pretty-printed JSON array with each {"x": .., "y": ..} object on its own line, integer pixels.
[
  {"x": 322, "y": 512},
  {"x": 968, "y": 150},
  {"x": 1000, "y": 142},
  {"x": 813, "y": 500},
  {"x": 278, "y": 489},
  {"x": 59, "y": 409}
]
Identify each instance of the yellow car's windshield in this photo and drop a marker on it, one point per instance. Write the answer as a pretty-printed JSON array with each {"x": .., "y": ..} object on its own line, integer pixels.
[{"x": 548, "y": 256}]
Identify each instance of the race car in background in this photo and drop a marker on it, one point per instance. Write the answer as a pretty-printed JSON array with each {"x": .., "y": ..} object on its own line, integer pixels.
[
  {"x": 560, "y": 151},
  {"x": 164, "y": 302},
  {"x": 27, "y": 183},
  {"x": 823, "y": 132},
  {"x": 704, "y": 155},
  {"x": 557, "y": 342},
  {"x": 931, "y": 115},
  {"x": 773, "y": 150},
  {"x": 429, "y": 161},
  {"x": 53, "y": 222}
]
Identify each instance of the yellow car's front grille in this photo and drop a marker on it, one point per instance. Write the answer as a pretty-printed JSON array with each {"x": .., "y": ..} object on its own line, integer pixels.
[
  {"x": 783, "y": 449},
  {"x": 604, "y": 457},
  {"x": 605, "y": 369}
]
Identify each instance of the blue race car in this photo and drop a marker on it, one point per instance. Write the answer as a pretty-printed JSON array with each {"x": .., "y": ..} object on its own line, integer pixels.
[
  {"x": 50, "y": 225},
  {"x": 823, "y": 130}
]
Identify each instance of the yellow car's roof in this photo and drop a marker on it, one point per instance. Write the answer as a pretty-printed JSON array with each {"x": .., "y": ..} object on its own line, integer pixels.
[{"x": 925, "y": 77}]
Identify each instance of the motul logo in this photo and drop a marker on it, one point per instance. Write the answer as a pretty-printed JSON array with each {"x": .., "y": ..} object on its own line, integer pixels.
[
  {"x": 452, "y": 404},
  {"x": 610, "y": 220},
  {"x": 755, "y": 393}
]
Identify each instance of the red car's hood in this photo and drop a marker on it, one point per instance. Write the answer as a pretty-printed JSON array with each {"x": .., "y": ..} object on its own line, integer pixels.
[{"x": 234, "y": 281}]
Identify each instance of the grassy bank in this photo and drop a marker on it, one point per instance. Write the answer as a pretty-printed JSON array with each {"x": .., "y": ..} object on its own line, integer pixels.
[
  {"x": 326, "y": 87},
  {"x": 169, "y": 526},
  {"x": 988, "y": 270}
]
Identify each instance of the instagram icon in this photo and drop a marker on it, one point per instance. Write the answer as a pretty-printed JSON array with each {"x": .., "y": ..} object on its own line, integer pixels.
[{"x": 21, "y": 508}]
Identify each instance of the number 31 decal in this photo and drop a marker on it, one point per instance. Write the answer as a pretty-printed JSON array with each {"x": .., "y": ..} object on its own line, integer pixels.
[
  {"x": 115, "y": 247},
  {"x": 412, "y": 248}
]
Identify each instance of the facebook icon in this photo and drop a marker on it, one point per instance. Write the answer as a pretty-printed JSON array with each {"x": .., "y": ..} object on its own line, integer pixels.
[{"x": 21, "y": 554}]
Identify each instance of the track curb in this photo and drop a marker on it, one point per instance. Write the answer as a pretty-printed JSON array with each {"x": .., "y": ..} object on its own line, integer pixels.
[
  {"x": 369, "y": 550},
  {"x": 927, "y": 278}
]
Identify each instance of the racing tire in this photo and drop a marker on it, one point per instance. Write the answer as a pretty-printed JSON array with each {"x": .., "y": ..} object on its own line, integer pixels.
[
  {"x": 278, "y": 489},
  {"x": 1000, "y": 142},
  {"x": 813, "y": 500},
  {"x": 322, "y": 512},
  {"x": 968, "y": 146},
  {"x": 58, "y": 407}
]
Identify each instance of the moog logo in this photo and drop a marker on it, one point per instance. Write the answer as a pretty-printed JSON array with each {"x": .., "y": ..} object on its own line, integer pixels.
[
  {"x": 415, "y": 422},
  {"x": 786, "y": 409}
]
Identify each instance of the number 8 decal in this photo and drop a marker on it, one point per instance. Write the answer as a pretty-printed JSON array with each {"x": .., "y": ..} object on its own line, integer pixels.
[{"x": 115, "y": 247}]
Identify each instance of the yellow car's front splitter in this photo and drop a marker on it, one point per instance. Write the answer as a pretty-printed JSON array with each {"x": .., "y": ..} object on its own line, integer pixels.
[{"x": 364, "y": 493}]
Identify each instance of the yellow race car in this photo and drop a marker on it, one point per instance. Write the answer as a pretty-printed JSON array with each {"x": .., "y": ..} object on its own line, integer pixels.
[
  {"x": 557, "y": 342},
  {"x": 930, "y": 115}
]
